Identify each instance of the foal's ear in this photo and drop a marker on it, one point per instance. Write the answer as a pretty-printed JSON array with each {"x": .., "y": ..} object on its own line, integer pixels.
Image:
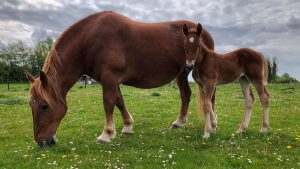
[
  {"x": 29, "y": 77},
  {"x": 43, "y": 78},
  {"x": 185, "y": 30},
  {"x": 199, "y": 29}
]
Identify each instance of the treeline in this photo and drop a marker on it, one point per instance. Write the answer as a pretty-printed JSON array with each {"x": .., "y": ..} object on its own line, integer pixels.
[
  {"x": 17, "y": 57},
  {"x": 273, "y": 77}
]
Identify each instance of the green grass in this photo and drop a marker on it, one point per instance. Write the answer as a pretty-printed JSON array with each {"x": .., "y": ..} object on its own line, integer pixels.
[{"x": 153, "y": 145}]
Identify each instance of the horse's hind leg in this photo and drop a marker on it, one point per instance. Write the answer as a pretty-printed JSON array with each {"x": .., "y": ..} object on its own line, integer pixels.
[
  {"x": 249, "y": 99},
  {"x": 126, "y": 116},
  {"x": 185, "y": 95},
  {"x": 110, "y": 92}
]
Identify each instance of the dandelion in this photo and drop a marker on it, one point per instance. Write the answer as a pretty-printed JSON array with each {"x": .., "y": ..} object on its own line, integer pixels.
[
  {"x": 187, "y": 136},
  {"x": 203, "y": 143},
  {"x": 25, "y": 156},
  {"x": 288, "y": 147},
  {"x": 269, "y": 142},
  {"x": 64, "y": 156},
  {"x": 76, "y": 155},
  {"x": 170, "y": 155},
  {"x": 43, "y": 155}
]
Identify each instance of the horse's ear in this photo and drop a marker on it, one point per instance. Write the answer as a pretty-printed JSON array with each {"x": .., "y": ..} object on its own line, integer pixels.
[
  {"x": 29, "y": 77},
  {"x": 185, "y": 30},
  {"x": 43, "y": 78},
  {"x": 199, "y": 29}
]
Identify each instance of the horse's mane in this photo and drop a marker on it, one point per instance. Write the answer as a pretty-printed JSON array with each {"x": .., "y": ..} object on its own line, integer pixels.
[{"x": 52, "y": 92}]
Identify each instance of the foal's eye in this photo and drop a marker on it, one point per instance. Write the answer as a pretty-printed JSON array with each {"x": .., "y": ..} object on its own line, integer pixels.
[{"x": 45, "y": 108}]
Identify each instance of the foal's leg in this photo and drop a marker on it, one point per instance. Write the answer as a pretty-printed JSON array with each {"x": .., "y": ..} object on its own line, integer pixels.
[
  {"x": 249, "y": 99},
  {"x": 126, "y": 116},
  {"x": 213, "y": 115},
  {"x": 110, "y": 92},
  {"x": 207, "y": 108},
  {"x": 264, "y": 99},
  {"x": 185, "y": 95}
]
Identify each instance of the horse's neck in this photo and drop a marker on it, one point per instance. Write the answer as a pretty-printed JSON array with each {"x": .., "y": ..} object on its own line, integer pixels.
[
  {"x": 66, "y": 74},
  {"x": 205, "y": 52}
]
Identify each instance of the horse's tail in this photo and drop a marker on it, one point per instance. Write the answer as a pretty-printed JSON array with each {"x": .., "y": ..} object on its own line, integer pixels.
[
  {"x": 199, "y": 101},
  {"x": 266, "y": 71}
]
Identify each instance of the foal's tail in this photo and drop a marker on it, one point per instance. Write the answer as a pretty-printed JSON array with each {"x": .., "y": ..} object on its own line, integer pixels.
[
  {"x": 266, "y": 71},
  {"x": 199, "y": 101}
]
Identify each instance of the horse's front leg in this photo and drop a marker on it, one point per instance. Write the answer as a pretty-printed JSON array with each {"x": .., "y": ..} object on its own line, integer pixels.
[
  {"x": 110, "y": 91},
  {"x": 126, "y": 116},
  {"x": 185, "y": 95},
  {"x": 207, "y": 108}
]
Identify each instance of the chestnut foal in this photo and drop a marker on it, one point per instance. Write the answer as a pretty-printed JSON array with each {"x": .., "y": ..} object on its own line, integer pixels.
[{"x": 211, "y": 69}]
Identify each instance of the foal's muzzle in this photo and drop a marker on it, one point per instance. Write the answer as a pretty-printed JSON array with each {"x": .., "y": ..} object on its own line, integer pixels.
[
  {"x": 50, "y": 141},
  {"x": 189, "y": 68}
]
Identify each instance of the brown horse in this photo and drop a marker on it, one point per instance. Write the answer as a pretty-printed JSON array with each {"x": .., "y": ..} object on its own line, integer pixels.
[
  {"x": 245, "y": 65},
  {"x": 113, "y": 50}
]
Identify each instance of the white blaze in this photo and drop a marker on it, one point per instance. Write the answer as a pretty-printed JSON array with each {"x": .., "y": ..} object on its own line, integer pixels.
[{"x": 191, "y": 39}]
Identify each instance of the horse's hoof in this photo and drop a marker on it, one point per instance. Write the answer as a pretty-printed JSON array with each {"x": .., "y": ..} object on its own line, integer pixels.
[
  {"x": 263, "y": 130},
  {"x": 127, "y": 130}
]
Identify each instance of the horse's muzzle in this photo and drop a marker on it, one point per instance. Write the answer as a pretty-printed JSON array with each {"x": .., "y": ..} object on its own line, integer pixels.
[{"x": 50, "y": 141}]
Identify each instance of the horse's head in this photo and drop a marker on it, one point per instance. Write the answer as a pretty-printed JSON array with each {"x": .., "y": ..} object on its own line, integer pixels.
[
  {"x": 191, "y": 43},
  {"x": 47, "y": 109}
]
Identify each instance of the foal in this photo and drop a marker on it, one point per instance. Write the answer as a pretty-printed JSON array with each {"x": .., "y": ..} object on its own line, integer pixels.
[{"x": 211, "y": 69}]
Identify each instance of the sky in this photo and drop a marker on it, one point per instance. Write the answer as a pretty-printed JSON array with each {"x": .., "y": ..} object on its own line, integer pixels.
[{"x": 268, "y": 26}]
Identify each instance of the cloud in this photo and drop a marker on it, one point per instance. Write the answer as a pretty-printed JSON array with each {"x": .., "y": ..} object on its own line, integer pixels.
[{"x": 272, "y": 27}]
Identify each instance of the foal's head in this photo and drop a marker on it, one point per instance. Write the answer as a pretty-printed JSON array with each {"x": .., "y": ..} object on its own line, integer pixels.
[{"x": 192, "y": 43}]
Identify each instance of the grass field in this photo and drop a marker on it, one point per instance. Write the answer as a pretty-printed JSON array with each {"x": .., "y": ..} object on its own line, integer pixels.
[{"x": 154, "y": 145}]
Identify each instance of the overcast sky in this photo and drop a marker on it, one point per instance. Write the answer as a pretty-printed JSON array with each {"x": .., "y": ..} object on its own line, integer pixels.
[{"x": 271, "y": 27}]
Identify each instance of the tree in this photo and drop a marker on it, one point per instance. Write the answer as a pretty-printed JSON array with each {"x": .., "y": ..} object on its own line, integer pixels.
[
  {"x": 39, "y": 54},
  {"x": 13, "y": 58},
  {"x": 274, "y": 69},
  {"x": 270, "y": 75}
]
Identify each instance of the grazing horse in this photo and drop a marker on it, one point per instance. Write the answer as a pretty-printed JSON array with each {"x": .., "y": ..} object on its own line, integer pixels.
[
  {"x": 211, "y": 69},
  {"x": 113, "y": 50}
]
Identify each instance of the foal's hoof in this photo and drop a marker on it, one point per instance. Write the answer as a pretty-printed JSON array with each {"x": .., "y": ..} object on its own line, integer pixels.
[
  {"x": 239, "y": 131},
  {"x": 175, "y": 126},
  {"x": 206, "y": 136},
  {"x": 214, "y": 130},
  {"x": 102, "y": 142}
]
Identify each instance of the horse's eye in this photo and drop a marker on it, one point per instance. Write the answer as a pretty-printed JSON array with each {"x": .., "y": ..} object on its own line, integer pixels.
[{"x": 45, "y": 108}]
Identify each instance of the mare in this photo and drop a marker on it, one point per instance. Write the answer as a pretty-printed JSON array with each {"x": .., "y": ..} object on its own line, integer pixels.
[
  {"x": 210, "y": 69},
  {"x": 113, "y": 50}
]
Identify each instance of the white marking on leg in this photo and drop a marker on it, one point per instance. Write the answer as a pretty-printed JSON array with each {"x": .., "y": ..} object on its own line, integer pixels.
[
  {"x": 106, "y": 137},
  {"x": 208, "y": 128}
]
